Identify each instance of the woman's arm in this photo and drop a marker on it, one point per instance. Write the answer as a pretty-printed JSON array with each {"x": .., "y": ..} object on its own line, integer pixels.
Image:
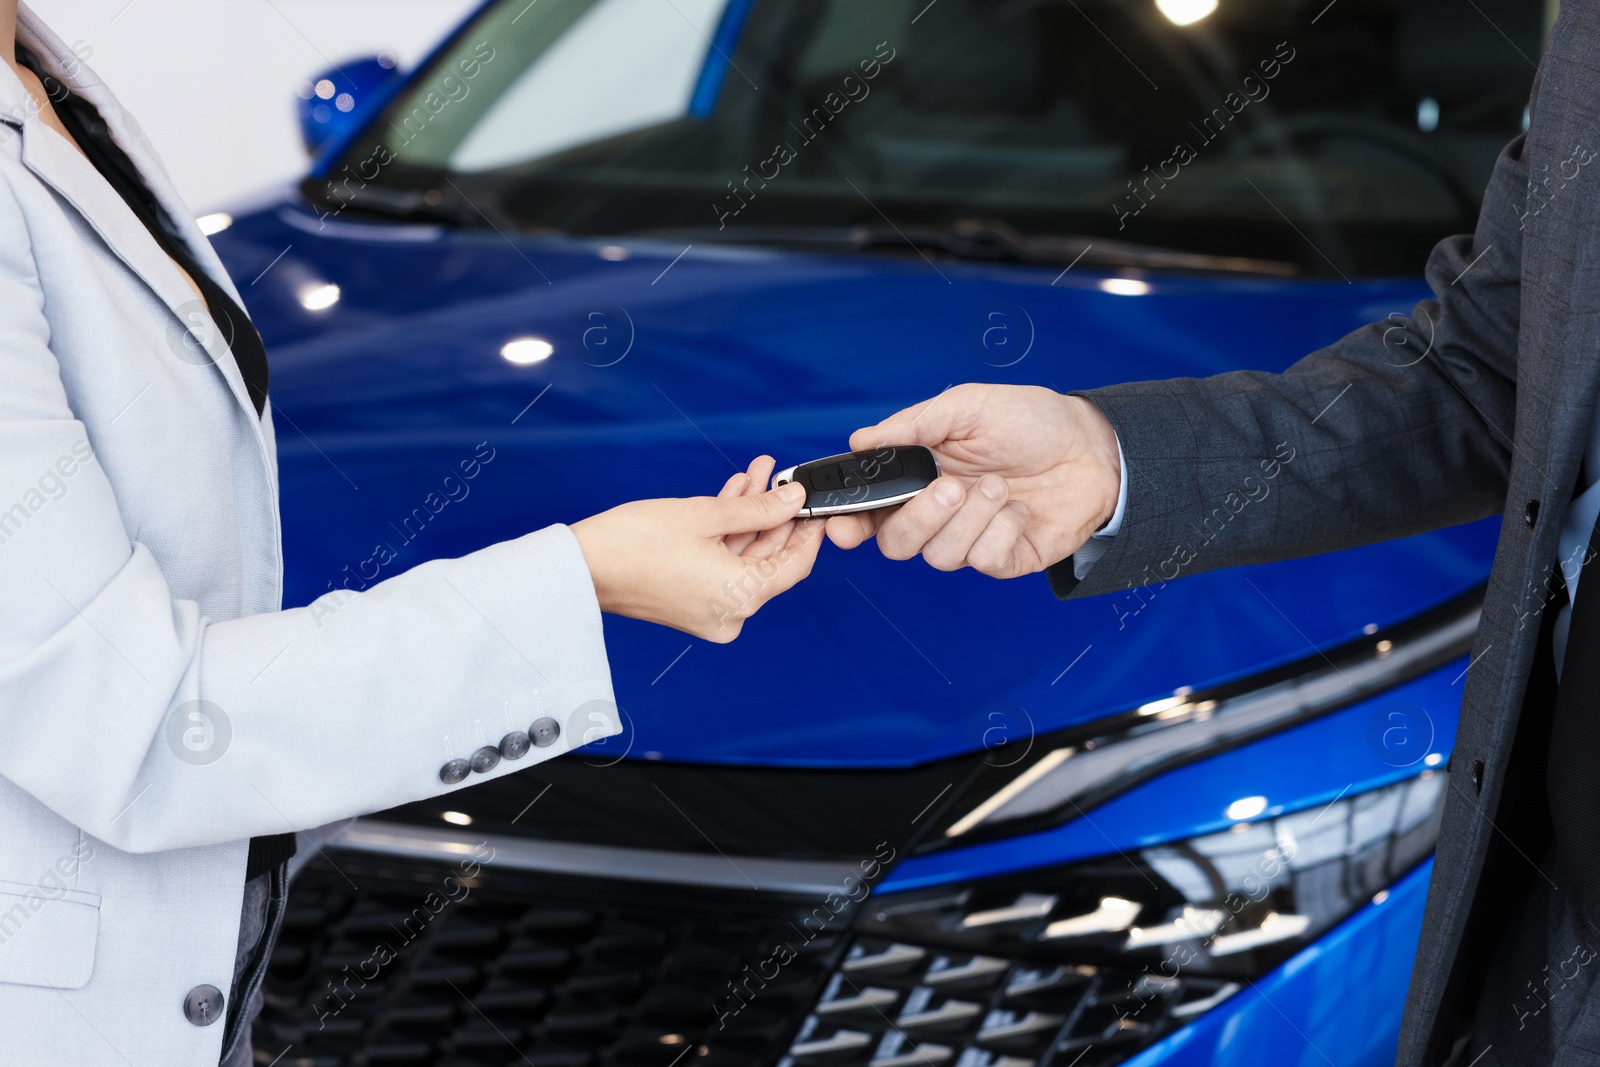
[{"x": 347, "y": 706}]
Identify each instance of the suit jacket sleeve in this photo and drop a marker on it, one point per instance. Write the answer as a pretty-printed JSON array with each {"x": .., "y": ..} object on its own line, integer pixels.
[
  {"x": 345, "y": 707},
  {"x": 1402, "y": 426}
]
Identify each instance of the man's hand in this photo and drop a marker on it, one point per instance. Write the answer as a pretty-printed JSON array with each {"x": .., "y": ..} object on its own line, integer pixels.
[
  {"x": 1028, "y": 475},
  {"x": 701, "y": 564}
]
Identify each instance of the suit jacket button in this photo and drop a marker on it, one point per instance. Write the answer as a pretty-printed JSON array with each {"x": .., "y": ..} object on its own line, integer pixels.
[
  {"x": 514, "y": 745},
  {"x": 203, "y": 1005},
  {"x": 455, "y": 771},
  {"x": 1530, "y": 513},
  {"x": 486, "y": 759},
  {"x": 1477, "y": 776},
  {"x": 544, "y": 731}
]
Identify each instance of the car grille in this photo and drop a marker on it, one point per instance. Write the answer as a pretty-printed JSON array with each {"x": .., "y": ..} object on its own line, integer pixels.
[
  {"x": 381, "y": 963},
  {"x": 966, "y": 1010},
  {"x": 531, "y": 968}
]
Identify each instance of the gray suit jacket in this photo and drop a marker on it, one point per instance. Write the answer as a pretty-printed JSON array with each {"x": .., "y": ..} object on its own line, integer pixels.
[{"x": 1479, "y": 403}]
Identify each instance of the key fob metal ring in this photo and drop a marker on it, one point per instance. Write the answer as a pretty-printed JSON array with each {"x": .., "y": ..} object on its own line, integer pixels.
[{"x": 862, "y": 481}]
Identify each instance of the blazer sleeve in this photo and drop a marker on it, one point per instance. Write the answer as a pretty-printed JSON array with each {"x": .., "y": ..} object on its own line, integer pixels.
[
  {"x": 348, "y": 706},
  {"x": 1402, "y": 426}
]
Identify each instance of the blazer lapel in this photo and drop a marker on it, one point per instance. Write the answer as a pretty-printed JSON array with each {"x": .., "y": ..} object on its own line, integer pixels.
[{"x": 58, "y": 164}]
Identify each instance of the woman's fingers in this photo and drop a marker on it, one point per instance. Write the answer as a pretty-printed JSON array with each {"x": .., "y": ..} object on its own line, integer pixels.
[
  {"x": 760, "y": 472},
  {"x": 755, "y": 481},
  {"x": 751, "y": 582},
  {"x": 758, "y": 511},
  {"x": 794, "y": 561},
  {"x": 766, "y": 543}
]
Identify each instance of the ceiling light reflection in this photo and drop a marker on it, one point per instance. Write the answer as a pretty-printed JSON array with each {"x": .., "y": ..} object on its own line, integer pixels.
[
  {"x": 319, "y": 297},
  {"x": 215, "y": 222},
  {"x": 1246, "y": 808},
  {"x": 1185, "y": 12},
  {"x": 526, "y": 350}
]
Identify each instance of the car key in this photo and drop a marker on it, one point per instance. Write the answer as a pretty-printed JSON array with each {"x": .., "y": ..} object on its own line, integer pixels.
[{"x": 862, "y": 481}]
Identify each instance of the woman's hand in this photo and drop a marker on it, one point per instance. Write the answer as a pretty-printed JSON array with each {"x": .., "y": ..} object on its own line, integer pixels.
[{"x": 701, "y": 564}]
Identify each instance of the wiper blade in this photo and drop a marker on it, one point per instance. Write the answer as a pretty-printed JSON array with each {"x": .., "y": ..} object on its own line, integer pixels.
[
  {"x": 986, "y": 239},
  {"x": 410, "y": 204}
]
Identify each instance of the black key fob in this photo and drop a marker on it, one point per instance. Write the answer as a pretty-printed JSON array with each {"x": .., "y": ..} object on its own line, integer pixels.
[{"x": 862, "y": 481}]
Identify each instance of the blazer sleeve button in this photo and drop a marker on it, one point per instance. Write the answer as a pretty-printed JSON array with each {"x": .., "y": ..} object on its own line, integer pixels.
[
  {"x": 455, "y": 771},
  {"x": 544, "y": 731},
  {"x": 203, "y": 1005},
  {"x": 486, "y": 759},
  {"x": 514, "y": 745}
]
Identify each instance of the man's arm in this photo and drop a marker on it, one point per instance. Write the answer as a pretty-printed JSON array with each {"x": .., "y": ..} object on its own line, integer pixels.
[{"x": 1402, "y": 426}]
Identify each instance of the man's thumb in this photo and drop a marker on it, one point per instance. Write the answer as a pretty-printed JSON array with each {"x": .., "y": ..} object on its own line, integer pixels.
[
  {"x": 927, "y": 423},
  {"x": 764, "y": 511}
]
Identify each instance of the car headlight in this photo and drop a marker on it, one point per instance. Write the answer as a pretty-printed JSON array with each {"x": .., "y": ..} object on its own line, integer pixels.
[{"x": 1101, "y": 958}]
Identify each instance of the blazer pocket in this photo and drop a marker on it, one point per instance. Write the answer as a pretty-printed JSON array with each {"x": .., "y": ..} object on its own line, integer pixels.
[{"x": 47, "y": 936}]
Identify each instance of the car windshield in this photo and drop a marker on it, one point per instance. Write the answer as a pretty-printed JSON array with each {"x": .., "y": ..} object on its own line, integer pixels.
[{"x": 1333, "y": 139}]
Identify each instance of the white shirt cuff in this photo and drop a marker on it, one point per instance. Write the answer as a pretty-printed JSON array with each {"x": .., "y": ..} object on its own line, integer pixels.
[{"x": 1091, "y": 550}]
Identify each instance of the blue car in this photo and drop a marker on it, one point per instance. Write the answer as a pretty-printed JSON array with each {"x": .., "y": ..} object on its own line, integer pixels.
[{"x": 597, "y": 250}]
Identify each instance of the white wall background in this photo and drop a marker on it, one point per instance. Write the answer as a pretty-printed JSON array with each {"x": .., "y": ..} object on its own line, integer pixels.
[{"x": 213, "y": 81}]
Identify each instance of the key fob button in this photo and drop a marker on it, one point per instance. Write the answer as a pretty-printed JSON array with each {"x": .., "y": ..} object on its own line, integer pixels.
[{"x": 826, "y": 477}]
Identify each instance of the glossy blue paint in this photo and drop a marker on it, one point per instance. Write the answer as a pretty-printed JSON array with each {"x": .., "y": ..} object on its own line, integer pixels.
[
  {"x": 1303, "y": 768},
  {"x": 1335, "y": 1003},
  {"x": 669, "y": 373},
  {"x": 369, "y": 82}
]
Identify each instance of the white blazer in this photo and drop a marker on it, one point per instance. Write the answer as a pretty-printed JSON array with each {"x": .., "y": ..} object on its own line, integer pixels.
[{"x": 140, "y": 569}]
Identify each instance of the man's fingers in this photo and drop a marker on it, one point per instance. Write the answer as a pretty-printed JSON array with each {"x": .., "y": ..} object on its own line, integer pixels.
[
  {"x": 947, "y": 549},
  {"x": 761, "y": 511},
  {"x": 848, "y": 531},
  {"x": 736, "y": 485},
  {"x": 995, "y": 551},
  {"x": 931, "y": 423},
  {"x": 913, "y": 525},
  {"x": 901, "y": 428}
]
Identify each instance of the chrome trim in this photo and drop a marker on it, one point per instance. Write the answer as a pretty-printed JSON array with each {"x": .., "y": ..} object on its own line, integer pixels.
[
  {"x": 896, "y": 955},
  {"x": 864, "y": 505},
  {"x": 874, "y": 997},
  {"x": 1200, "y": 1007},
  {"x": 808, "y": 877},
  {"x": 841, "y": 1042}
]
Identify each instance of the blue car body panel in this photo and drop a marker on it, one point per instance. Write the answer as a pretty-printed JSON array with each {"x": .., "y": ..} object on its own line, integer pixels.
[{"x": 674, "y": 367}]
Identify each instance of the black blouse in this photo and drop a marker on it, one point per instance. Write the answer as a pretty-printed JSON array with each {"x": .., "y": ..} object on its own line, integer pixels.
[{"x": 89, "y": 130}]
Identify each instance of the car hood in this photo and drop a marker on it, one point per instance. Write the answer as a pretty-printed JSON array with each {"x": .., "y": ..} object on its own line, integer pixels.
[{"x": 673, "y": 366}]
